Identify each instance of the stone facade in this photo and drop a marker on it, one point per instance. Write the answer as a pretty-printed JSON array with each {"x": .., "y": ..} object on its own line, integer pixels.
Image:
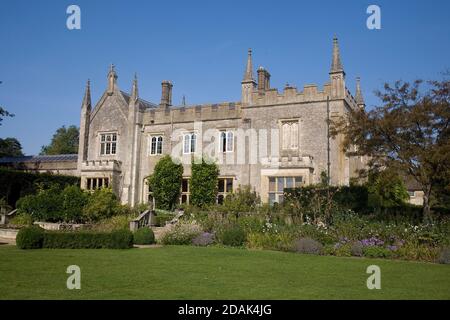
[{"x": 269, "y": 140}]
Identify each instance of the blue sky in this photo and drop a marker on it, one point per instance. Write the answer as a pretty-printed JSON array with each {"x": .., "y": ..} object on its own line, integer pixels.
[{"x": 201, "y": 47}]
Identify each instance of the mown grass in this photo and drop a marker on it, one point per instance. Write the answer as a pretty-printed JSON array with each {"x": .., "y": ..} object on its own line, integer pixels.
[{"x": 182, "y": 272}]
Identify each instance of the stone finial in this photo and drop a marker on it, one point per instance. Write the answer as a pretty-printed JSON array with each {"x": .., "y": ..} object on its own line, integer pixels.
[
  {"x": 134, "y": 89},
  {"x": 336, "y": 64},
  {"x": 248, "y": 75},
  {"x": 87, "y": 96},
  {"x": 358, "y": 96},
  {"x": 112, "y": 78}
]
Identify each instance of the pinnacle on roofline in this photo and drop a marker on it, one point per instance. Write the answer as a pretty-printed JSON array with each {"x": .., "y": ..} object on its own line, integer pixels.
[
  {"x": 336, "y": 64},
  {"x": 134, "y": 89},
  {"x": 358, "y": 96},
  {"x": 87, "y": 94},
  {"x": 248, "y": 75}
]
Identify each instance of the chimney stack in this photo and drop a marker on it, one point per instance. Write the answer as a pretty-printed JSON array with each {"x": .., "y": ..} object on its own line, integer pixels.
[
  {"x": 263, "y": 79},
  {"x": 166, "y": 95}
]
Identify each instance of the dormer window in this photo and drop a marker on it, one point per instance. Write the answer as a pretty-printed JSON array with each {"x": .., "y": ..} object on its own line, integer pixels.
[{"x": 108, "y": 144}]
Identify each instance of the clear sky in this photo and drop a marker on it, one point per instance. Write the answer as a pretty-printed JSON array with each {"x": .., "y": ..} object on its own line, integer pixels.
[{"x": 201, "y": 46}]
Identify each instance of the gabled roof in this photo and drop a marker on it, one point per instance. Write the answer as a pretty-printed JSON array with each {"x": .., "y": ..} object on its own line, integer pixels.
[
  {"x": 43, "y": 158},
  {"x": 143, "y": 104}
]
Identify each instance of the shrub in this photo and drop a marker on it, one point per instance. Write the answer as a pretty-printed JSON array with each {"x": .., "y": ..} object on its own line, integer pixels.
[
  {"x": 356, "y": 249},
  {"x": 203, "y": 182},
  {"x": 181, "y": 234},
  {"x": 165, "y": 182},
  {"x": 22, "y": 220},
  {"x": 119, "y": 222},
  {"x": 30, "y": 237},
  {"x": 73, "y": 201},
  {"x": 415, "y": 251},
  {"x": 46, "y": 205},
  {"x": 343, "y": 250},
  {"x": 377, "y": 252},
  {"x": 308, "y": 245},
  {"x": 329, "y": 250},
  {"x": 16, "y": 184},
  {"x": 280, "y": 241},
  {"x": 316, "y": 233},
  {"x": 161, "y": 219},
  {"x": 144, "y": 236},
  {"x": 102, "y": 204},
  {"x": 233, "y": 235},
  {"x": 243, "y": 200},
  {"x": 75, "y": 240},
  {"x": 120, "y": 239},
  {"x": 203, "y": 239},
  {"x": 445, "y": 256}
]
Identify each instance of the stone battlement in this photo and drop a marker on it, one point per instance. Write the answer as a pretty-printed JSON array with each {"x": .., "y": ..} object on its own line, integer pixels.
[
  {"x": 100, "y": 165},
  {"x": 290, "y": 94},
  {"x": 205, "y": 112}
]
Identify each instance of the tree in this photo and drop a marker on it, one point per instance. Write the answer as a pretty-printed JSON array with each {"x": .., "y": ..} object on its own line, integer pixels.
[
  {"x": 10, "y": 147},
  {"x": 64, "y": 141},
  {"x": 386, "y": 189},
  {"x": 165, "y": 183},
  {"x": 409, "y": 132},
  {"x": 204, "y": 182},
  {"x": 4, "y": 113}
]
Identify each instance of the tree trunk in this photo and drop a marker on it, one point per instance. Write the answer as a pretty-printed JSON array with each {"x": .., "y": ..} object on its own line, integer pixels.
[{"x": 426, "y": 205}]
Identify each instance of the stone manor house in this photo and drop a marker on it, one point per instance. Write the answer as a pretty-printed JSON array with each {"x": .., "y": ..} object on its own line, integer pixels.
[{"x": 269, "y": 140}]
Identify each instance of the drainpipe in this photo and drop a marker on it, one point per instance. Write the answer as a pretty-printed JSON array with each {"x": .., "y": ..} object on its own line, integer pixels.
[{"x": 328, "y": 141}]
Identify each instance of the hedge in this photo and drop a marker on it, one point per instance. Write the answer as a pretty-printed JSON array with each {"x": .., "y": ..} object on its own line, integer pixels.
[
  {"x": 356, "y": 198},
  {"x": 144, "y": 236},
  {"x": 120, "y": 239},
  {"x": 30, "y": 237},
  {"x": 35, "y": 238},
  {"x": 16, "y": 184}
]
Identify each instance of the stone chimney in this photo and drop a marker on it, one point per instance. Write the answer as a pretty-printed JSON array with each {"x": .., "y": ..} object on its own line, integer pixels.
[
  {"x": 263, "y": 79},
  {"x": 166, "y": 94}
]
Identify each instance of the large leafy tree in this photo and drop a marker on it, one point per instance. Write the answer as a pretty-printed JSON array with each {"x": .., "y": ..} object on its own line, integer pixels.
[
  {"x": 166, "y": 183},
  {"x": 64, "y": 141},
  {"x": 409, "y": 132},
  {"x": 10, "y": 147},
  {"x": 203, "y": 182}
]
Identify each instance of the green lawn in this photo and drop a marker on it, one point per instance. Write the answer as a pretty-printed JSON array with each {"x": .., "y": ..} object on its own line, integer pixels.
[{"x": 211, "y": 273}]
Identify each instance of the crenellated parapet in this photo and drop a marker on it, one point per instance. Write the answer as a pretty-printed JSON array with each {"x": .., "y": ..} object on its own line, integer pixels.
[
  {"x": 310, "y": 93},
  {"x": 204, "y": 112},
  {"x": 101, "y": 165}
]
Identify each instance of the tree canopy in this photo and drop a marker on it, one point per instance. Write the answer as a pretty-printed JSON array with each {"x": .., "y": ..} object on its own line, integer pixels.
[
  {"x": 409, "y": 132},
  {"x": 10, "y": 147},
  {"x": 203, "y": 183},
  {"x": 165, "y": 183},
  {"x": 64, "y": 141}
]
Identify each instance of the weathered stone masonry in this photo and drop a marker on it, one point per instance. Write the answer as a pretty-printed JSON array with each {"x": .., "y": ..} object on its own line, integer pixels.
[{"x": 116, "y": 136}]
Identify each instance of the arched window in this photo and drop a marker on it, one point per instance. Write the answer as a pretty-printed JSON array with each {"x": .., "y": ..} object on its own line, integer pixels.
[
  {"x": 189, "y": 143},
  {"x": 156, "y": 145}
]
